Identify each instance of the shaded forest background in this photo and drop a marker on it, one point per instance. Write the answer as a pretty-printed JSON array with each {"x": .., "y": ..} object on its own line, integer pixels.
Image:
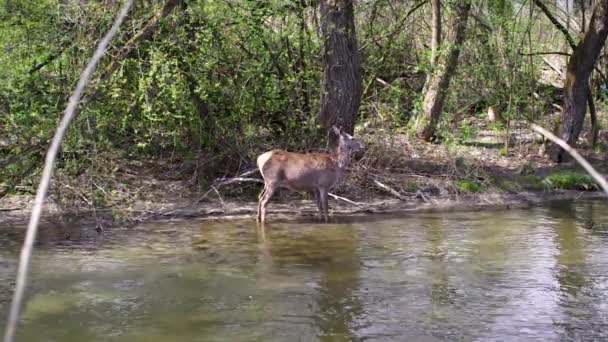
[{"x": 194, "y": 90}]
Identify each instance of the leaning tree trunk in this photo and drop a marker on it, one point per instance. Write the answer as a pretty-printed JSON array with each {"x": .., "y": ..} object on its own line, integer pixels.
[
  {"x": 436, "y": 31},
  {"x": 576, "y": 86},
  {"x": 437, "y": 86},
  {"x": 341, "y": 85}
]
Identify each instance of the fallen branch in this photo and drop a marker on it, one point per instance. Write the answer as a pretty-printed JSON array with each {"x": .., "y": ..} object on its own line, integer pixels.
[
  {"x": 556, "y": 69},
  {"x": 584, "y": 163},
  {"x": 47, "y": 172},
  {"x": 389, "y": 190},
  {"x": 244, "y": 174},
  {"x": 228, "y": 182},
  {"x": 344, "y": 199},
  {"x": 242, "y": 179}
]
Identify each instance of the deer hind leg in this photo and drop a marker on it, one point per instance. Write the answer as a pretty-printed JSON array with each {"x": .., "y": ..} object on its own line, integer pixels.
[
  {"x": 268, "y": 192},
  {"x": 259, "y": 217},
  {"x": 317, "y": 198},
  {"x": 323, "y": 202}
]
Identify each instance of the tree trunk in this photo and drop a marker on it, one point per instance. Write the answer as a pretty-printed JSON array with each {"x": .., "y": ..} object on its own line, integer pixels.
[
  {"x": 341, "y": 85},
  {"x": 437, "y": 86},
  {"x": 576, "y": 86},
  {"x": 436, "y": 31}
]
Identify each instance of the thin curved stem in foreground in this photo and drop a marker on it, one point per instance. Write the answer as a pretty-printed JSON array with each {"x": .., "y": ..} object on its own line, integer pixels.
[
  {"x": 30, "y": 237},
  {"x": 584, "y": 163}
]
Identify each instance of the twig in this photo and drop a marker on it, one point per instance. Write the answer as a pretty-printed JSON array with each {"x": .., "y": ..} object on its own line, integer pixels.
[
  {"x": 540, "y": 53},
  {"x": 399, "y": 27},
  {"x": 421, "y": 194},
  {"x": 26, "y": 251},
  {"x": 244, "y": 174},
  {"x": 556, "y": 69},
  {"x": 556, "y": 22},
  {"x": 229, "y": 181},
  {"x": 584, "y": 163},
  {"x": 388, "y": 189},
  {"x": 218, "y": 195},
  {"x": 9, "y": 209},
  {"x": 344, "y": 199}
]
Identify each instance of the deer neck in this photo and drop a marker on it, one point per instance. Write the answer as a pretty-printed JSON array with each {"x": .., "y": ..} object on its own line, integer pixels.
[{"x": 342, "y": 157}]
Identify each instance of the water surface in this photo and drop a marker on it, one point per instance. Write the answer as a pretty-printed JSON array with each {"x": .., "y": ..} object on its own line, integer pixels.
[{"x": 535, "y": 275}]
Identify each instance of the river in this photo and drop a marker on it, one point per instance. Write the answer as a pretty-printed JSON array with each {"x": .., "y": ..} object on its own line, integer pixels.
[{"x": 537, "y": 274}]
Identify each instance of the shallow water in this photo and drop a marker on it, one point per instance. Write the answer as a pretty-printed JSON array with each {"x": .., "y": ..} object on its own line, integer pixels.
[{"x": 535, "y": 275}]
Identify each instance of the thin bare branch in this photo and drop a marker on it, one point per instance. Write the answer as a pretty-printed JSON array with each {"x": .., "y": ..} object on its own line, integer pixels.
[
  {"x": 26, "y": 251},
  {"x": 344, "y": 199},
  {"x": 388, "y": 189},
  {"x": 584, "y": 163},
  {"x": 556, "y": 22}
]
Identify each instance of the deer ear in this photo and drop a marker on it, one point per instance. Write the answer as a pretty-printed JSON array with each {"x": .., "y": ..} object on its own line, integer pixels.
[{"x": 336, "y": 130}]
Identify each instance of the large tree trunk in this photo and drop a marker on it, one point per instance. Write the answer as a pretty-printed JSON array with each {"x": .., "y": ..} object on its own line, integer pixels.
[
  {"x": 436, "y": 31},
  {"x": 576, "y": 86},
  {"x": 341, "y": 85},
  {"x": 437, "y": 86}
]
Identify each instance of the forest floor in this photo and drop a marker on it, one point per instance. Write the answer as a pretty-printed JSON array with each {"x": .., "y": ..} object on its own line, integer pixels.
[{"x": 394, "y": 174}]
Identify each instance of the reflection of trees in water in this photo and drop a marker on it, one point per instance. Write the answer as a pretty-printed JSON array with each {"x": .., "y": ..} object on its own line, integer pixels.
[
  {"x": 441, "y": 293},
  {"x": 572, "y": 271},
  {"x": 571, "y": 256},
  {"x": 332, "y": 251}
]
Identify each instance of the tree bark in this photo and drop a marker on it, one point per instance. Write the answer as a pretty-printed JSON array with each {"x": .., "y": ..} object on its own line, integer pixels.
[
  {"x": 436, "y": 31},
  {"x": 437, "y": 86},
  {"x": 576, "y": 85},
  {"x": 341, "y": 85}
]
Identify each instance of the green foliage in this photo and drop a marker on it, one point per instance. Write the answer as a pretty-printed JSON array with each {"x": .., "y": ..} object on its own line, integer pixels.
[
  {"x": 467, "y": 185},
  {"x": 219, "y": 81},
  {"x": 569, "y": 180}
]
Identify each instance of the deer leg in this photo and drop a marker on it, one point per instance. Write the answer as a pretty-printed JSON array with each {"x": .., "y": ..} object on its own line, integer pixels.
[
  {"x": 268, "y": 192},
  {"x": 317, "y": 197},
  {"x": 323, "y": 200},
  {"x": 260, "y": 203}
]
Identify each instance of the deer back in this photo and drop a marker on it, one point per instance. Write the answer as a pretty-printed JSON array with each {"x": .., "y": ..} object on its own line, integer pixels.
[{"x": 299, "y": 171}]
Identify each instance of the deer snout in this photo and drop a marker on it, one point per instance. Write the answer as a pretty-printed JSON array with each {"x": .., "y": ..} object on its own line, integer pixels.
[{"x": 360, "y": 146}]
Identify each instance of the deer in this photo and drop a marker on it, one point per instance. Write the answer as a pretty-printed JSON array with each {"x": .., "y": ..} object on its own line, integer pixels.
[{"x": 318, "y": 173}]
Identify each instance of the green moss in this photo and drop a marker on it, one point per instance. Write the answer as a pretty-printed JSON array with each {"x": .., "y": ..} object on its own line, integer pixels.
[
  {"x": 467, "y": 185},
  {"x": 569, "y": 180}
]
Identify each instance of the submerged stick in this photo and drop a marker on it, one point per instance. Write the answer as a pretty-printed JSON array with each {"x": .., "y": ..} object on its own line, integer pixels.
[
  {"x": 584, "y": 163},
  {"x": 47, "y": 172}
]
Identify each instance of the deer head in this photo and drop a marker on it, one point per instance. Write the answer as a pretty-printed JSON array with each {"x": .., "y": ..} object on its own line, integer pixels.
[{"x": 347, "y": 145}]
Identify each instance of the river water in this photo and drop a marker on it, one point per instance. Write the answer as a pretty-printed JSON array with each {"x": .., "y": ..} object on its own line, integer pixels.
[{"x": 539, "y": 274}]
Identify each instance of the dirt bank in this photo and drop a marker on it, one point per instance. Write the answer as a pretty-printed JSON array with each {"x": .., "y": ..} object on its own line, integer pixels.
[{"x": 395, "y": 174}]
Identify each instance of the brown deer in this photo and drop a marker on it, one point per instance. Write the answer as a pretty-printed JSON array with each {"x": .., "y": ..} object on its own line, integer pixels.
[{"x": 313, "y": 172}]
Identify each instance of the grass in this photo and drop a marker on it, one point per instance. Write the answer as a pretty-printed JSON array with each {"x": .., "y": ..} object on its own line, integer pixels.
[{"x": 569, "y": 180}]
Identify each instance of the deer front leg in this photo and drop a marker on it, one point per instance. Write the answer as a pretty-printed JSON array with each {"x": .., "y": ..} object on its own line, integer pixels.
[
  {"x": 323, "y": 199},
  {"x": 317, "y": 198}
]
